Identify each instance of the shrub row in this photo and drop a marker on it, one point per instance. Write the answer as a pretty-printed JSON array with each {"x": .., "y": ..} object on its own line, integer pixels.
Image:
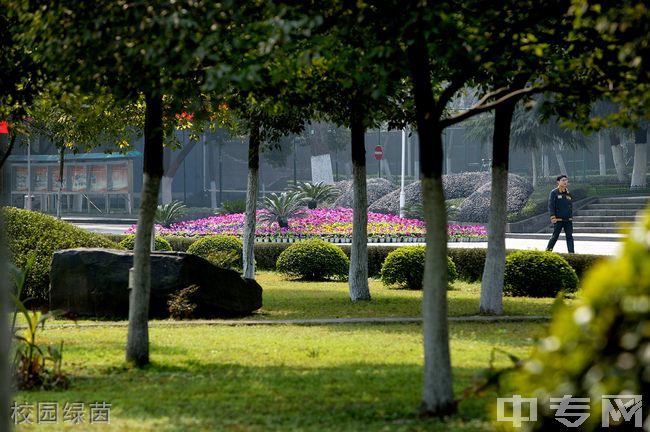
[
  {"x": 469, "y": 261},
  {"x": 36, "y": 236}
]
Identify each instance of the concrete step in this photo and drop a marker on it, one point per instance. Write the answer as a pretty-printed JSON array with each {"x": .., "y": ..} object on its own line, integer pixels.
[
  {"x": 598, "y": 218},
  {"x": 603, "y": 230},
  {"x": 609, "y": 212},
  {"x": 601, "y": 224},
  {"x": 610, "y": 206},
  {"x": 641, "y": 200},
  {"x": 591, "y": 230}
]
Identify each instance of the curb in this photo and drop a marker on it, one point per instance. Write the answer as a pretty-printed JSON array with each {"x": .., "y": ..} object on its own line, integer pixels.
[{"x": 305, "y": 322}]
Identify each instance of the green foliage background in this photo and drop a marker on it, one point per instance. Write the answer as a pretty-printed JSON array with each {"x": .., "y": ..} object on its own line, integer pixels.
[
  {"x": 313, "y": 260},
  {"x": 32, "y": 233}
]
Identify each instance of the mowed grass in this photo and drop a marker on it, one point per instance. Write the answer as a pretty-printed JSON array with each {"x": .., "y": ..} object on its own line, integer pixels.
[
  {"x": 347, "y": 377},
  {"x": 294, "y": 299},
  {"x": 290, "y": 299}
]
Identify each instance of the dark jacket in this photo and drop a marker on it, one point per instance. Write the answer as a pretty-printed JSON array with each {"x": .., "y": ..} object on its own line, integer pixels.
[{"x": 560, "y": 204}]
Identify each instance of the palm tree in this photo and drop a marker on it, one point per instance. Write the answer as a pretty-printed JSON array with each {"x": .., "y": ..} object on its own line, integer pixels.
[
  {"x": 279, "y": 208},
  {"x": 166, "y": 214},
  {"x": 530, "y": 130},
  {"x": 316, "y": 193}
]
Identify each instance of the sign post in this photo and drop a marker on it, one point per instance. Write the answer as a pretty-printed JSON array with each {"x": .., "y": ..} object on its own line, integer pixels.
[{"x": 379, "y": 154}]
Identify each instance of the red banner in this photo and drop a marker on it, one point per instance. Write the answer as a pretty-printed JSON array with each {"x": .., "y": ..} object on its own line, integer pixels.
[{"x": 4, "y": 127}]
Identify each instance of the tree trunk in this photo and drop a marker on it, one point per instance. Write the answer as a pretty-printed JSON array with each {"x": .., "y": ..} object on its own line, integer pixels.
[
  {"x": 137, "y": 348},
  {"x": 10, "y": 147},
  {"x": 560, "y": 159},
  {"x": 546, "y": 169},
  {"x": 533, "y": 157},
  {"x": 602, "y": 165},
  {"x": 60, "y": 192},
  {"x": 492, "y": 283},
  {"x": 358, "y": 276},
  {"x": 640, "y": 167},
  {"x": 171, "y": 170},
  {"x": 166, "y": 188},
  {"x": 251, "y": 203},
  {"x": 437, "y": 390},
  {"x": 5, "y": 337},
  {"x": 617, "y": 155}
]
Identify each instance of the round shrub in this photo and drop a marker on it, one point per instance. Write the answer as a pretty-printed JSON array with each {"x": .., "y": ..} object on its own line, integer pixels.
[
  {"x": 537, "y": 274},
  {"x": 404, "y": 267},
  {"x": 128, "y": 243},
  {"x": 313, "y": 260},
  {"x": 596, "y": 345},
  {"x": 220, "y": 250},
  {"x": 40, "y": 235}
]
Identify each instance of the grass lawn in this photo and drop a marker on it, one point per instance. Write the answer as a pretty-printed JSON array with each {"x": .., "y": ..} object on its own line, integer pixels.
[
  {"x": 292, "y": 299},
  {"x": 351, "y": 377},
  {"x": 287, "y": 299}
]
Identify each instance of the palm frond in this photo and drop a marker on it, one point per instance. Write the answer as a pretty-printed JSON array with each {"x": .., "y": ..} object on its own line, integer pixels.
[
  {"x": 280, "y": 208},
  {"x": 166, "y": 214}
]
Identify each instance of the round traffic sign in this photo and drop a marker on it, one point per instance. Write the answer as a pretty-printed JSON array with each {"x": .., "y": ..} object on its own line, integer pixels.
[{"x": 379, "y": 152}]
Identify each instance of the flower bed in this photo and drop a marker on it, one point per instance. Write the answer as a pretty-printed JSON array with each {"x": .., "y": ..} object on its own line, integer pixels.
[{"x": 329, "y": 224}]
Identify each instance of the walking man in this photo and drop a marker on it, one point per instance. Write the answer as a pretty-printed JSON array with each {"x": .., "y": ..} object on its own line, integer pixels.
[{"x": 560, "y": 206}]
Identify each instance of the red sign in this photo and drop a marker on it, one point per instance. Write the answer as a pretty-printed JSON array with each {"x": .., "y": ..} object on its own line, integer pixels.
[
  {"x": 379, "y": 152},
  {"x": 4, "y": 129}
]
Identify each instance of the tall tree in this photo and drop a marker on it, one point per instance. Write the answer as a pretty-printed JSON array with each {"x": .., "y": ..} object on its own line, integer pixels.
[
  {"x": 265, "y": 122},
  {"x": 19, "y": 83},
  {"x": 5, "y": 338},
  {"x": 354, "y": 89},
  {"x": 640, "y": 168},
  {"x": 130, "y": 49},
  {"x": 447, "y": 47},
  {"x": 79, "y": 123}
]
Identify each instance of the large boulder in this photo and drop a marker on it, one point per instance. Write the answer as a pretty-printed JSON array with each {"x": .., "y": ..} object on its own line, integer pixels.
[
  {"x": 476, "y": 207},
  {"x": 94, "y": 283},
  {"x": 462, "y": 185},
  {"x": 389, "y": 204},
  {"x": 376, "y": 187}
]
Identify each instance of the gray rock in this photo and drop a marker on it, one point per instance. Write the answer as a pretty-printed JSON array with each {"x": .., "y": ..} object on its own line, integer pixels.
[
  {"x": 476, "y": 207},
  {"x": 462, "y": 185},
  {"x": 389, "y": 204},
  {"x": 376, "y": 187},
  {"x": 93, "y": 283}
]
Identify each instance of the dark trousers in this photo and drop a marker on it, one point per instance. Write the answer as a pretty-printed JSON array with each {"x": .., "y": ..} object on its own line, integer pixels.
[{"x": 568, "y": 232}]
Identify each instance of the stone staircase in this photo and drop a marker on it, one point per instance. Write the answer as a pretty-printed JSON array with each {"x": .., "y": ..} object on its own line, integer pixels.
[{"x": 607, "y": 215}]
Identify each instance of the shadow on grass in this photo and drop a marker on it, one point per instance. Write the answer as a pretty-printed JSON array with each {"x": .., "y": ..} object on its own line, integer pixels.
[{"x": 214, "y": 396}]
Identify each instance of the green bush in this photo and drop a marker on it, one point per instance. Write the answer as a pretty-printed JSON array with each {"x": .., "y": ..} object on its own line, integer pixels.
[
  {"x": 537, "y": 274},
  {"x": 267, "y": 254},
  {"x": 469, "y": 262},
  {"x": 598, "y": 344},
  {"x": 582, "y": 262},
  {"x": 404, "y": 267},
  {"x": 128, "y": 243},
  {"x": 313, "y": 260},
  {"x": 32, "y": 233},
  {"x": 221, "y": 250},
  {"x": 180, "y": 243}
]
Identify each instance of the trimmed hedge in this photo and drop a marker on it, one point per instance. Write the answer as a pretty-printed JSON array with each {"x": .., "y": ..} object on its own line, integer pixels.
[
  {"x": 530, "y": 273},
  {"x": 313, "y": 260},
  {"x": 404, "y": 267},
  {"x": 33, "y": 233},
  {"x": 469, "y": 261},
  {"x": 221, "y": 250},
  {"x": 128, "y": 243}
]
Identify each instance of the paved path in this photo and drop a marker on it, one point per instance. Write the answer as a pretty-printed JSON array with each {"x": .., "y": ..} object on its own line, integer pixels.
[
  {"x": 301, "y": 322},
  {"x": 597, "y": 244}
]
